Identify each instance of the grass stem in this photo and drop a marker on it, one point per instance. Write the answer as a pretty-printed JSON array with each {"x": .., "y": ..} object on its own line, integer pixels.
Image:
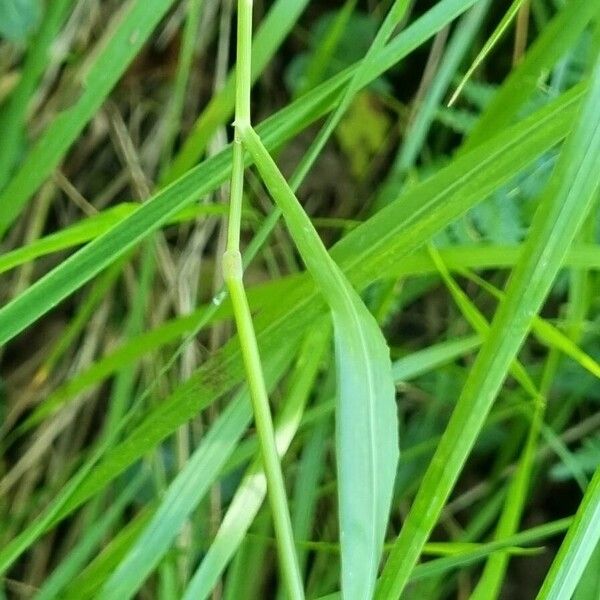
[{"x": 233, "y": 276}]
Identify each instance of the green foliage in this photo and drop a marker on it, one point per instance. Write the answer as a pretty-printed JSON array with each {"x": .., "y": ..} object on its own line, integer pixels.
[
  {"x": 19, "y": 18},
  {"x": 398, "y": 358}
]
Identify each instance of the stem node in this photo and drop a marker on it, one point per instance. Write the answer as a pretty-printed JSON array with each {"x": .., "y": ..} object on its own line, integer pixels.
[{"x": 232, "y": 265}]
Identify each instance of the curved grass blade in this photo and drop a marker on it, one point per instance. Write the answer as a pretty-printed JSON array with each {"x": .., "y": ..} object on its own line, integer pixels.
[
  {"x": 569, "y": 196},
  {"x": 577, "y": 547},
  {"x": 366, "y": 420}
]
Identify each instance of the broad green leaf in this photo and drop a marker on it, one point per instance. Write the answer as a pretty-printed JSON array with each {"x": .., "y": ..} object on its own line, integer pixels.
[
  {"x": 366, "y": 420},
  {"x": 568, "y": 198},
  {"x": 582, "y": 538}
]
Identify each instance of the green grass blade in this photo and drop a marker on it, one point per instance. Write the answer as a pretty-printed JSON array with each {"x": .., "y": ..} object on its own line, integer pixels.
[
  {"x": 181, "y": 498},
  {"x": 87, "y": 583},
  {"x": 324, "y": 52},
  {"x": 11, "y": 551},
  {"x": 547, "y": 333},
  {"x": 568, "y": 198},
  {"x": 589, "y": 584},
  {"x": 431, "y": 358},
  {"x": 132, "y": 26},
  {"x": 172, "y": 120},
  {"x": 273, "y": 30},
  {"x": 252, "y": 490},
  {"x": 91, "y": 228},
  {"x": 366, "y": 421},
  {"x": 419, "y": 127},
  {"x": 549, "y": 47},
  {"x": 490, "y": 584},
  {"x": 13, "y": 116},
  {"x": 511, "y": 13},
  {"x": 92, "y": 259},
  {"x": 73, "y": 563},
  {"x": 575, "y": 551},
  {"x": 442, "y": 566},
  {"x": 479, "y": 323}
]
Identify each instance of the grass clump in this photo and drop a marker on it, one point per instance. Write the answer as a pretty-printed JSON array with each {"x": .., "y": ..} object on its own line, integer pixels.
[{"x": 345, "y": 346}]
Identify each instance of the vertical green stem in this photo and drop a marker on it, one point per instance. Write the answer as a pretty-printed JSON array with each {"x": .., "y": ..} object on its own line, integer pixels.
[{"x": 232, "y": 273}]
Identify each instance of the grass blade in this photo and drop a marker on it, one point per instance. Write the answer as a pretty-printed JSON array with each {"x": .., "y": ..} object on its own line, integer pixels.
[
  {"x": 366, "y": 421},
  {"x": 552, "y": 43},
  {"x": 577, "y": 547},
  {"x": 182, "y": 497},
  {"x": 511, "y": 13},
  {"x": 568, "y": 198},
  {"x": 252, "y": 490},
  {"x": 131, "y": 28},
  {"x": 368, "y": 252}
]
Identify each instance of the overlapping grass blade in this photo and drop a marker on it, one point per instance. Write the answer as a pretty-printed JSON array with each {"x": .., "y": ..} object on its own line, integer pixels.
[
  {"x": 545, "y": 332},
  {"x": 90, "y": 260},
  {"x": 575, "y": 551},
  {"x": 65, "y": 572},
  {"x": 366, "y": 420},
  {"x": 490, "y": 583},
  {"x": 87, "y": 583},
  {"x": 251, "y": 492},
  {"x": 180, "y": 500},
  {"x": 130, "y": 29},
  {"x": 568, "y": 198},
  {"x": 479, "y": 323},
  {"x": 13, "y": 114},
  {"x": 549, "y": 47},
  {"x": 93, "y": 227},
  {"x": 273, "y": 30},
  {"x": 368, "y": 252}
]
